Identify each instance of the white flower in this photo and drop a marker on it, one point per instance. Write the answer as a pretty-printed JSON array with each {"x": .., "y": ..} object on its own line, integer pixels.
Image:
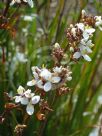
[
  {"x": 45, "y": 74},
  {"x": 57, "y": 69},
  {"x": 85, "y": 44},
  {"x": 98, "y": 22},
  {"x": 47, "y": 80},
  {"x": 82, "y": 53},
  {"x": 21, "y": 98},
  {"x": 81, "y": 26},
  {"x": 30, "y": 2},
  {"x": 87, "y": 31},
  {"x": 44, "y": 79},
  {"x": 28, "y": 94},
  {"x": 27, "y": 98},
  {"x": 28, "y": 18}
]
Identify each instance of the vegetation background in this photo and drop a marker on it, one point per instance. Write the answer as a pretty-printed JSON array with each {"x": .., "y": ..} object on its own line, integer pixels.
[{"x": 78, "y": 113}]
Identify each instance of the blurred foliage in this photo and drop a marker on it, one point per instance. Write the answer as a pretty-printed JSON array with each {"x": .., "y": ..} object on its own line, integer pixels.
[{"x": 75, "y": 114}]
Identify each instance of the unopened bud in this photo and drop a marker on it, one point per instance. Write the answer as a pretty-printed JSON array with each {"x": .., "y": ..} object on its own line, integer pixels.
[
  {"x": 69, "y": 78},
  {"x": 71, "y": 25},
  {"x": 83, "y": 13},
  {"x": 71, "y": 49},
  {"x": 56, "y": 45}
]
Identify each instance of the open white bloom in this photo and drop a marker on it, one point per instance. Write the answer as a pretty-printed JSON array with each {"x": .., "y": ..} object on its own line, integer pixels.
[
  {"x": 27, "y": 98},
  {"x": 30, "y": 2},
  {"x": 84, "y": 49},
  {"x": 20, "y": 98},
  {"x": 87, "y": 30},
  {"x": 85, "y": 45},
  {"x": 98, "y": 22},
  {"x": 57, "y": 69},
  {"x": 46, "y": 80}
]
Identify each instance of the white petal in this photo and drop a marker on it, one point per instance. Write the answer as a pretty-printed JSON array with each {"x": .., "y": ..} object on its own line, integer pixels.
[
  {"x": 47, "y": 86},
  {"x": 35, "y": 99},
  {"x": 35, "y": 75},
  {"x": 20, "y": 90},
  {"x": 24, "y": 101},
  {"x": 31, "y": 83},
  {"x": 86, "y": 57},
  {"x": 85, "y": 35},
  {"x": 17, "y": 99},
  {"x": 12, "y": 3},
  {"x": 90, "y": 30},
  {"x": 45, "y": 74},
  {"x": 89, "y": 42},
  {"x": 82, "y": 42},
  {"x": 81, "y": 26},
  {"x": 55, "y": 79},
  {"x": 82, "y": 48},
  {"x": 88, "y": 49},
  {"x": 98, "y": 23},
  {"x": 57, "y": 69},
  {"x": 28, "y": 93},
  {"x": 30, "y": 109},
  {"x": 40, "y": 84},
  {"x": 77, "y": 55},
  {"x": 31, "y": 4}
]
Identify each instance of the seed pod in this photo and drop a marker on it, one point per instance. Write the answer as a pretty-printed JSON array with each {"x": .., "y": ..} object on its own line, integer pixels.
[
  {"x": 40, "y": 116},
  {"x": 10, "y": 106}
]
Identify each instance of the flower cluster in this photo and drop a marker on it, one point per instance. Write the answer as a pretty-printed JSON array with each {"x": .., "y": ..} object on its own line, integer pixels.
[
  {"x": 80, "y": 42},
  {"x": 26, "y": 97},
  {"x": 46, "y": 80},
  {"x": 30, "y": 2},
  {"x": 80, "y": 35}
]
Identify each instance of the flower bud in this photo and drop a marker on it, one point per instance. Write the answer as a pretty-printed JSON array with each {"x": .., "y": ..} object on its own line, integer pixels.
[{"x": 71, "y": 49}]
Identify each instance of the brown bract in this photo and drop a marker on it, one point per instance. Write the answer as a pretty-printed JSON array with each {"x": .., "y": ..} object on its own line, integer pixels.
[{"x": 19, "y": 129}]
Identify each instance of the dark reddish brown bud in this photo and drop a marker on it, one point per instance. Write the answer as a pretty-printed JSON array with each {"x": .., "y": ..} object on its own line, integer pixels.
[
  {"x": 10, "y": 106},
  {"x": 74, "y": 35},
  {"x": 57, "y": 53},
  {"x": 88, "y": 19}
]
